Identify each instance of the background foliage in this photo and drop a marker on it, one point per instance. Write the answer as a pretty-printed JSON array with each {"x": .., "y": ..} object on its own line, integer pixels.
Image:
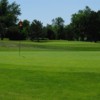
[{"x": 84, "y": 25}]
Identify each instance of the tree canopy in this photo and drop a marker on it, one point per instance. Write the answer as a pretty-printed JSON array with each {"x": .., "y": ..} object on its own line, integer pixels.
[
  {"x": 8, "y": 15},
  {"x": 84, "y": 25}
]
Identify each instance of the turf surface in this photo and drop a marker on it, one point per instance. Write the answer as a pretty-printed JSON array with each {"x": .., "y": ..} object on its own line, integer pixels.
[{"x": 56, "y": 70}]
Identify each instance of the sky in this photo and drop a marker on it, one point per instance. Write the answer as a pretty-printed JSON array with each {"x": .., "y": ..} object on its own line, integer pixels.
[{"x": 46, "y": 10}]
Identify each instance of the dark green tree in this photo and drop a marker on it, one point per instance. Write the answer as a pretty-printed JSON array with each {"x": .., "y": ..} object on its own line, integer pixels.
[
  {"x": 50, "y": 33},
  {"x": 86, "y": 25},
  {"x": 58, "y": 26},
  {"x": 26, "y": 28},
  {"x": 36, "y": 30},
  {"x": 69, "y": 33},
  {"x": 79, "y": 22},
  {"x": 8, "y": 14},
  {"x": 2, "y": 31},
  {"x": 14, "y": 33},
  {"x": 98, "y": 24}
]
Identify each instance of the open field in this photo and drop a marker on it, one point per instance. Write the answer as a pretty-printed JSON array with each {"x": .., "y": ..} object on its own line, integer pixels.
[{"x": 55, "y": 70}]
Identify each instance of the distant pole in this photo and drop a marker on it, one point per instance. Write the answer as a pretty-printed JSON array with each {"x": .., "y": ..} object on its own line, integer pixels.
[
  {"x": 20, "y": 28},
  {"x": 19, "y": 47}
]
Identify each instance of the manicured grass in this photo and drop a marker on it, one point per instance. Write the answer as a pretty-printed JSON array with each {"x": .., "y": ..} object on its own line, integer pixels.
[{"x": 50, "y": 71}]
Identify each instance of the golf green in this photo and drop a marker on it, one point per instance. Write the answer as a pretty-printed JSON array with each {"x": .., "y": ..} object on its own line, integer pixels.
[{"x": 57, "y": 70}]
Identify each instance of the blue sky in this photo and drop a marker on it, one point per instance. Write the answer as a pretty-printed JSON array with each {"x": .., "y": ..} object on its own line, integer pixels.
[{"x": 46, "y": 10}]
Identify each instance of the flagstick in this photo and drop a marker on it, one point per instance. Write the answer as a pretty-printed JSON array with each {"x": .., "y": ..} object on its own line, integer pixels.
[
  {"x": 19, "y": 47},
  {"x": 20, "y": 26}
]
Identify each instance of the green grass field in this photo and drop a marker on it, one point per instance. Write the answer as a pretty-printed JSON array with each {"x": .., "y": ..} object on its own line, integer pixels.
[{"x": 52, "y": 70}]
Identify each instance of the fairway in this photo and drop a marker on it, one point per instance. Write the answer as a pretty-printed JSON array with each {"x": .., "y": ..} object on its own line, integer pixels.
[{"x": 53, "y": 70}]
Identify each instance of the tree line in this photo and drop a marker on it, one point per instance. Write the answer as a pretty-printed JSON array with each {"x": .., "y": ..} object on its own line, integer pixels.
[{"x": 84, "y": 25}]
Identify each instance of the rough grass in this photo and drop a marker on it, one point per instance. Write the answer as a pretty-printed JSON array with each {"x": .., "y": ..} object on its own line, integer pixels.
[
  {"x": 42, "y": 72},
  {"x": 49, "y": 45}
]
